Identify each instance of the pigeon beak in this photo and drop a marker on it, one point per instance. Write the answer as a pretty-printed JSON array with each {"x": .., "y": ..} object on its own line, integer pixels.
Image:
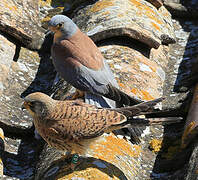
[{"x": 52, "y": 29}]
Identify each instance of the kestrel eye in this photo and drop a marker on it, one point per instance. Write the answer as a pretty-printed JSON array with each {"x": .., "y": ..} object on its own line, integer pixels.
[{"x": 30, "y": 104}]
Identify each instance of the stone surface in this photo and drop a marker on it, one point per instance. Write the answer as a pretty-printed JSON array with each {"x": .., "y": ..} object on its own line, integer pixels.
[
  {"x": 140, "y": 67},
  {"x": 20, "y": 20},
  {"x": 20, "y": 157},
  {"x": 192, "y": 166},
  {"x": 7, "y": 52},
  {"x": 137, "y": 75},
  {"x": 182, "y": 8},
  {"x": 135, "y": 19},
  {"x": 21, "y": 73},
  {"x": 29, "y": 74},
  {"x": 107, "y": 152},
  {"x": 183, "y": 57}
]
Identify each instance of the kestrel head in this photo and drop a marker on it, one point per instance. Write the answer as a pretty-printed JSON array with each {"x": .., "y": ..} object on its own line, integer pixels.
[
  {"x": 63, "y": 24},
  {"x": 38, "y": 104}
]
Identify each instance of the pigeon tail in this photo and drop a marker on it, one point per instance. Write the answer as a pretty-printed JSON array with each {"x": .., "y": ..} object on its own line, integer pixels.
[{"x": 99, "y": 101}]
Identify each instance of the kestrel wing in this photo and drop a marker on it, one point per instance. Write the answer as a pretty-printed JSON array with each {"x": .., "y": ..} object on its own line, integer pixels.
[{"x": 80, "y": 122}]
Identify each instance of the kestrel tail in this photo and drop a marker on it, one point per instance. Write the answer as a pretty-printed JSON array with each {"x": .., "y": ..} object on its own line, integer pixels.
[{"x": 78, "y": 60}]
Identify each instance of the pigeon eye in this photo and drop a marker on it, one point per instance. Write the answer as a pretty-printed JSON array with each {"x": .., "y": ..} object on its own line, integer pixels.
[{"x": 60, "y": 25}]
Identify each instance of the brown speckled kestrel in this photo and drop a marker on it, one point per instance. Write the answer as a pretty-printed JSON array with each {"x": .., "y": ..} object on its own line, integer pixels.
[{"x": 70, "y": 125}]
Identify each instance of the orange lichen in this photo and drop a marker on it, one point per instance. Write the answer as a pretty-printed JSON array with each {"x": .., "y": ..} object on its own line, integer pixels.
[
  {"x": 107, "y": 150},
  {"x": 121, "y": 85},
  {"x": 152, "y": 65},
  {"x": 153, "y": 68},
  {"x": 134, "y": 91},
  {"x": 12, "y": 8},
  {"x": 146, "y": 11},
  {"x": 146, "y": 95},
  {"x": 98, "y": 6},
  {"x": 155, "y": 26},
  {"x": 136, "y": 3},
  {"x": 155, "y": 145}
]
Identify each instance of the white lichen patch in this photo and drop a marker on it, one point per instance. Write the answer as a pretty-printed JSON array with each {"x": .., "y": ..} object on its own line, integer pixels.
[{"x": 144, "y": 67}]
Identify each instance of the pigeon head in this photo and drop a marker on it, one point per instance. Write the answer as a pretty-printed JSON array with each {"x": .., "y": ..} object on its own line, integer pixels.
[{"x": 63, "y": 24}]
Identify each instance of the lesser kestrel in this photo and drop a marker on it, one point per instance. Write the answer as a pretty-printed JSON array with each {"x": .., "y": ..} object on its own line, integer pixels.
[{"x": 70, "y": 125}]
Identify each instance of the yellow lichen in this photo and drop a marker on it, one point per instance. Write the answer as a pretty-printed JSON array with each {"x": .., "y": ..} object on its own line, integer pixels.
[
  {"x": 43, "y": 3},
  {"x": 12, "y": 8},
  {"x": 144, "y": 9},
  {"x": 153, "y": 68},
  {"x": 155, "y": 26},
  {"x": 98, "y": 6},
  {"x": 134, "y": 91},
  {"x": 143, "y": 94},
  {"x": 121, "y": 85},
  {"x": 107, "y": 150},
  {"x": 155, "y": 145},
  {"x": 146, "y": 95}
]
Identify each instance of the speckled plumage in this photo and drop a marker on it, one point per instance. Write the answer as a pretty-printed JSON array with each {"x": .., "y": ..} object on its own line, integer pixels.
[
  {"x": 78, "y": 60},
  {"x": 72, "y": 125}
]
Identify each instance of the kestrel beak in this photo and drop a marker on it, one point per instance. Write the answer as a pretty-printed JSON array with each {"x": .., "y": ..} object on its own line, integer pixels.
[{"x": 25, "y": 106}]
